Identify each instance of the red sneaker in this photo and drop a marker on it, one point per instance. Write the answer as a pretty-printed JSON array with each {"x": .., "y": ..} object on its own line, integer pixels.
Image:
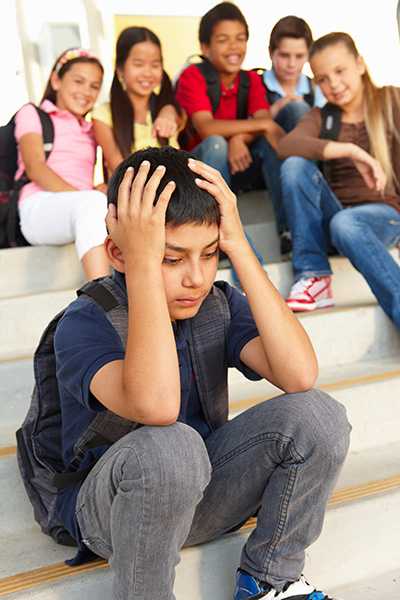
[{"x": 310, "y": 293}]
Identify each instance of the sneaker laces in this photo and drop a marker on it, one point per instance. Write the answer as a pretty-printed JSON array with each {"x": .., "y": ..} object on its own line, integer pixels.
[{"x": 302, "y": 285}]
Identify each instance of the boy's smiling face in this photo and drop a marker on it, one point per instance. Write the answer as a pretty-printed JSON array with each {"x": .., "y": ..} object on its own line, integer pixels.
[
  {"x": 227, "y": 47},
  {"x": 189, "y": 267}
]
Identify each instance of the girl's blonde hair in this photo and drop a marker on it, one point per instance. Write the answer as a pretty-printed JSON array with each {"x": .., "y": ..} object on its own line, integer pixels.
[{"x": 378, "y": 104}]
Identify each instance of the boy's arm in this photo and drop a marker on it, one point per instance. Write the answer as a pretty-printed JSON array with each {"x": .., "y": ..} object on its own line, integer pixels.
[
  {"x": 206, "y": 125},
  {"x": 145, "y": 386},
  {"x": 282, "y": 353}
]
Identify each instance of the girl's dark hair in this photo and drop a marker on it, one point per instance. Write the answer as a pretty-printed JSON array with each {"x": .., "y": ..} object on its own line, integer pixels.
[
  {"x": 225, "y": 11},
  {"x": 188, "y": 203},
  {"x": 290, "y": 27},
  {"x": 122, "y": 111},
  {"x": 49, "y": 92}
]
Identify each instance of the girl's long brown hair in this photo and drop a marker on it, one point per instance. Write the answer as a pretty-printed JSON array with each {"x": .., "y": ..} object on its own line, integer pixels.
[
  {"x": 122, "y": 111},
  {"x": 378, "y": 105}
]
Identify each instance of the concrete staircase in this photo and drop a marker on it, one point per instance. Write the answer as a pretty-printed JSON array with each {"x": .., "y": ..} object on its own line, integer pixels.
[{"x": 358, "y": 554}]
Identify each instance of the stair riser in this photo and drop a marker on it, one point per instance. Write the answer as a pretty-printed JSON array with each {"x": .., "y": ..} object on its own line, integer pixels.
[
  {"x": 339, "y": 337},
  {"x": 347, "y": 551}
]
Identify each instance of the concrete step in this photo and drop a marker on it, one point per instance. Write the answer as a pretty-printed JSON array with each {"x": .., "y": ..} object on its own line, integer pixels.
[
  {"x": 369, "y": 389},
  {"x": 363, "y": 514},
  {"x": 36, "y": 270},
  {"x": 97, "y": 585},
  {"x": 341, "y": 335}
]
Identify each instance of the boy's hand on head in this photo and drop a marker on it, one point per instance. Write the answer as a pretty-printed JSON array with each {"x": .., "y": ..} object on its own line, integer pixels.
[
  {"x": 239, "y": 156},
  {"x": 138, "y": 228},
  {"x": 164, "y": 127},
  {"x": 231, "y": 233}
]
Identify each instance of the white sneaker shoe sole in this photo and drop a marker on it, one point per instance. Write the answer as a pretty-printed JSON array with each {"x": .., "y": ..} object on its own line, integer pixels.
[{"x": 304, "y": 307}]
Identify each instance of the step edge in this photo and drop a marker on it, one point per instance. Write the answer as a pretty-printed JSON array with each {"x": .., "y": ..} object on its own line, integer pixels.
[
  {"x": 341, "y": 384},
  {"x": 35, "y": 577}
]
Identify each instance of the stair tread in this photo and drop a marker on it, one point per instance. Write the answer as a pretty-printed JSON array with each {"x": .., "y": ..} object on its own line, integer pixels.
[
  {"x": 25, "y": 547},
  {"x": 16, "y": 383}
]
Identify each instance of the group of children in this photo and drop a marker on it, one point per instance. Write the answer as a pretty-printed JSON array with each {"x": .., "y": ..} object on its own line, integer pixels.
[{"x": 187, "y": 474}]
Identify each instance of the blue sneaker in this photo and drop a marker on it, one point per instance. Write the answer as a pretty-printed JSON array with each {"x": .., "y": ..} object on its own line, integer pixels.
[{"x": 250, "y": 588}]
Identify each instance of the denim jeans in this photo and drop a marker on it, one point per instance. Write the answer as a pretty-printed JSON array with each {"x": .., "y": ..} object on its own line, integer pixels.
[
  {"x": 362, "y": 233},
  {"x": 290, "y": 115},
  {"x": 161, "y": 488},
  {"x": 214, "y": 151}
]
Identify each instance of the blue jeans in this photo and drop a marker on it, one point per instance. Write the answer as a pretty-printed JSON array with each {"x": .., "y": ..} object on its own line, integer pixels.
[
  {"x": 161, "y": 488},
  {"x": 290, "y": 115},
  {"x": 214, "y": 151},
  {"x": 362, "y": 233}
]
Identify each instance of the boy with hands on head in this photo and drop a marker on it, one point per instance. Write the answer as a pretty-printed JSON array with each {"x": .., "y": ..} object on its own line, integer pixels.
[{"x": 188, "y": 475}]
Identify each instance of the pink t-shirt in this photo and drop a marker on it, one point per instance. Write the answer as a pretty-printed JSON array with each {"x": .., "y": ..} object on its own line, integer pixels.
[{"x": 74, "y": 150}]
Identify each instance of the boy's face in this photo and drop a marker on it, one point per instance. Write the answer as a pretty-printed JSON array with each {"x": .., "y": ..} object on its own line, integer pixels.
[
  {"x": 189, "y": 267},
  {"x": 227, "y": 47},
  {"x": 288, "y": 58}
]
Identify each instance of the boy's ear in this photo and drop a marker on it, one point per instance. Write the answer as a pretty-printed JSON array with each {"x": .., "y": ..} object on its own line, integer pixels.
[
  {"x": 114, "y": 254},
  {"x": 205, "y": 50}
]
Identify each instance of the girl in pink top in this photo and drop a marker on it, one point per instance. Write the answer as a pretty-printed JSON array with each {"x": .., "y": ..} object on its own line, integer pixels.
[{"x": 59, "y": 205}]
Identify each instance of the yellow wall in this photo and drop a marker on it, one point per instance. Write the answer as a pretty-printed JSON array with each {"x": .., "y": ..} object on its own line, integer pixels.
[{"x": 178, "y": 36}]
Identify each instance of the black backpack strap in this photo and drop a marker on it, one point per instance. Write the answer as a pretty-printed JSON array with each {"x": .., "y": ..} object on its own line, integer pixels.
[
  {"x": 47, "y": 130},
  {"x": 331, "y": 122},
  {"x": 243, "y": 95},
  {"x": 153, "y": 107},
  {"x": 48, "y": 141},
  {"x": 310, "y": 96},
  {"x": 100, "y": 294},
  {"x": 212, "y": 81}
]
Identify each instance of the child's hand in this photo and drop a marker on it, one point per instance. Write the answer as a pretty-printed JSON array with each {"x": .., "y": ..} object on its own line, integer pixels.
[
  {"x": 231, "y": 233},
  {"x": 369, "y": 168},
  {"x": 138, "y": 229},
  {"x": 239, "y": 156},
  {"x": 164, "y": 127}
]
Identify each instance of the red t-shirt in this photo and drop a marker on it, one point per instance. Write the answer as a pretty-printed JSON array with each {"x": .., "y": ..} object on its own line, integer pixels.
[{"x": 191, "y": 93}]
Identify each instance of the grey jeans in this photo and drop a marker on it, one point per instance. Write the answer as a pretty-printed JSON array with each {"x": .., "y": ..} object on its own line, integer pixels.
[{"x": 161, "y": 488}]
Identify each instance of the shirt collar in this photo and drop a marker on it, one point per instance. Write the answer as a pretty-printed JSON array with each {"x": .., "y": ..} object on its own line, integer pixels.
[
  {"x": 272, "y": 83},
  {"x": 50, "y": 108}
]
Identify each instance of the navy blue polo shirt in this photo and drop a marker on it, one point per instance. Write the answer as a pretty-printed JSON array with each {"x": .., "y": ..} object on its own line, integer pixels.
[{"x": 85, "y": 341}]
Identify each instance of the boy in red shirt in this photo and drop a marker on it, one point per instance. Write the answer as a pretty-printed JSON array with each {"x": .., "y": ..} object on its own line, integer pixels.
[{"x": 221, "y": 137}]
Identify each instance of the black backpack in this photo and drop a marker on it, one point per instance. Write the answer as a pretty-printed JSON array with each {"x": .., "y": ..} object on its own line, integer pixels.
[
  {"x": 10, "y": 232},
  {"x": 39, "y": 445},
  {"x": 274, "y": 96}
]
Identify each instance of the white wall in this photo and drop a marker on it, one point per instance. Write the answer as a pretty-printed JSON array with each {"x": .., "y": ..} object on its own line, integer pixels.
[{"x": 372, "y": 24}]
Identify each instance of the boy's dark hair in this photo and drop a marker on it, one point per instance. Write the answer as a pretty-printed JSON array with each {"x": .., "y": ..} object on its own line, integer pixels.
[
  {"x": 290, "y": 27},
  {"x": 225, "y": 11},
  {"x": 189, "y": 203}
]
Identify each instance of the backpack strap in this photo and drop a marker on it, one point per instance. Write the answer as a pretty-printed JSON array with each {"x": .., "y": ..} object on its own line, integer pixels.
[
  {"x": 331, "y": 122},
  {"x": 207, "y": 344},
  {"x": 310, "y": 96},
  {"x": 106, "y": 427},
  {"x": 243, "y": 95},
  {"x": 212, "y": 81}
]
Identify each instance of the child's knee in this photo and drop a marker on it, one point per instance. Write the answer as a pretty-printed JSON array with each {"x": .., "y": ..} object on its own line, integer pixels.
[
  {"x": 215, "y": 147},
  {"x": 171, "y": 459},
  {"x": 294, "y": 168}
]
